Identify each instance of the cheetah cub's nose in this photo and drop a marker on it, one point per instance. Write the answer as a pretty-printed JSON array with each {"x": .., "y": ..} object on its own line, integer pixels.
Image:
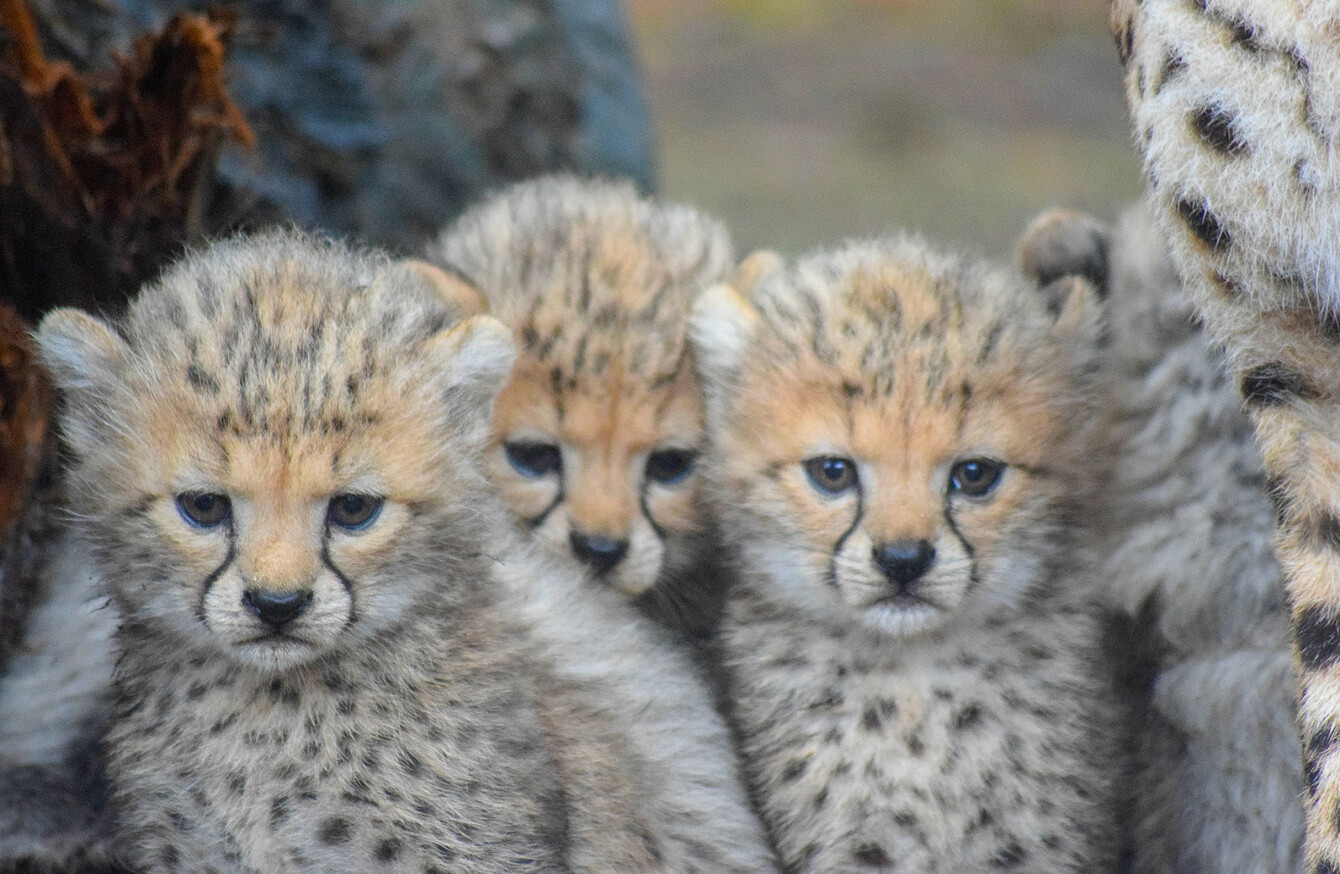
[
  {"x": 276, "y": 608},
  {"x": 904, "y": 561},
  {"x": 601, "y": 553}
]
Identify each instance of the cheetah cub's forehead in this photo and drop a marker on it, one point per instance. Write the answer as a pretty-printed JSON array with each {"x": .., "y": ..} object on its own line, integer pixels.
[
  {"x": 896, "y": 431},
  {"x": 263, "y": 428},
  {"x": 596, "y": 433}
]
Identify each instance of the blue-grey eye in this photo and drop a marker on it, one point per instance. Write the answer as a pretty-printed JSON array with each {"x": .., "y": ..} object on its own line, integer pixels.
[
  {"x": 533, "y": 459},
  {"x": 204, "y": 509},
  {"x": 353, "y": 512},
  {"x": 669, "y": 466},
  {"x": 975, "y": 476},
  {"x": 831, "y": 474}
]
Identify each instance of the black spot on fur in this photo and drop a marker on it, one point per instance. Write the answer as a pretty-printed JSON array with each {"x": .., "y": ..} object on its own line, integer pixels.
[
  {"x": 794, "y": 769},
  {"x": 873, "y": 856},
  {"x": 335, "y": 830},
  {"x": 1243, "y": 33},
  {"x": 201, "y": 381},
  {"x": 1318, "y": 746},
  {"x": 1327, "y": 532},
  {"x": 1204, "y": 224},
  {"x": 1274, "y": 384},
  {"x": 968, "y": 717},
  {"x": 1217, "y": 128},
  {"x": 1317, "y": 633},
  {"x": 1173, "y": 64},
  {"x": 280, "y": 808},
  {"x": 1012, "y": 855},
  {"x": 387, "y": 850},
  {"x": 1278, "y": 493},
  {"x": 1326, "y": 866},
  {"x": 223, "y": 724},
  {"x": 1125, "y": 37}
]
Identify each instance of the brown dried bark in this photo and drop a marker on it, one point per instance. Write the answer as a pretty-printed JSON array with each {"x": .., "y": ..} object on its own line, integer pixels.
[
  {"x": 101, "y": 174},
  {"x": 25, "y": 450}
]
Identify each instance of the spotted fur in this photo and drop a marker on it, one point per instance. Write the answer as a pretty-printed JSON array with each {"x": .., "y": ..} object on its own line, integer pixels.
[
  {"x": 1236, "y": 110},
  {"x": 407, "y": 712},
  {"x": 912, "y": 670},
  {"x": 596, "y": 284},
  {"x": 1187, "y": 561}
]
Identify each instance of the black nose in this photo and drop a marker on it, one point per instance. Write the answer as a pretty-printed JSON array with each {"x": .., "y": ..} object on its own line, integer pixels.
[
  {"x": 903, "y": 561},
  {"x": 276, "y": 608},
  {"x": 601, "y": 553}
]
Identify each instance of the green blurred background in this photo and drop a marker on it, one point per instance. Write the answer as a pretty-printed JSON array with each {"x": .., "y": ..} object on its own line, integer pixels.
[{"x": 802, "y": 122}]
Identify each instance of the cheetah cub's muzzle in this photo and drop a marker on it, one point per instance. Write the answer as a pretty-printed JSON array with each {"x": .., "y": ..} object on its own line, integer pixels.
[{"x": 279, "y": 595}]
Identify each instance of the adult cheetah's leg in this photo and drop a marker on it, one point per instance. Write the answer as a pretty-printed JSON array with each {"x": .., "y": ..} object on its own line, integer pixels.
[{"x": 1236, "y": 106}]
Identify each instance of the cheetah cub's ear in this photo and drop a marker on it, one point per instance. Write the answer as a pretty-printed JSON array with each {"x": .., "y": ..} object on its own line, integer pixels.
[
  {"x": 472, "y": 360},
  {"x": 87, "y": 360},
  {"x": 1064, "y": 242},
  {"x": 722, "y": 320},
  {"x": 753, "y": 269},
  {"x": 1066, "y": 253},
  {"x": 462, "y": 298},
  {"x": 721, "y": 325}
]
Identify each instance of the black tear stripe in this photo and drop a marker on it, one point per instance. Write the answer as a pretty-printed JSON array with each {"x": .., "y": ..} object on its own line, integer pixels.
[
  {"x": 536, "y": 521},
  {"x": 646, "y": 513},
  {"x": 214, "y": 577},
  {"x": 973, "y": 577},
  {"x": 330, "y": 563},
  {"x": 339, "y": 575},
  {"x": 855, "y": 523}
]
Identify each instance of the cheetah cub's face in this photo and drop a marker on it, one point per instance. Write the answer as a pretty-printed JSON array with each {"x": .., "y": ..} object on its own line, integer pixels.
[
  {"x": 268, "y": 445},
  {"x": 896, "y": 433},
  {"x": 596, "y": 434}
]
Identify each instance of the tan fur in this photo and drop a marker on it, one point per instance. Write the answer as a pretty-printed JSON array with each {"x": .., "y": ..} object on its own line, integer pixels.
[
  {"x": 1236, "y": 106},
  {"x": 918, "y": 728},
  {"x": 596, "y": 283},
  {"x": 412, "y": 715}
]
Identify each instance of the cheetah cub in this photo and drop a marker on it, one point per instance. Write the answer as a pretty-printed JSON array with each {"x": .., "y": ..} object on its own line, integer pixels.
[
  {"x": 324, "y": 661},
  {"x": 898, "y": 449},
  {"x": 597, "y": 432}
]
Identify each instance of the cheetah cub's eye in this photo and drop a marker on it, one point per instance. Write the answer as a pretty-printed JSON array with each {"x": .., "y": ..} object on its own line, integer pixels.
[
  {"x": 669, "y": 466},
  {"x": 204, "y": 509},
  {"x": 353, "y": 512},
  {"x": 975, "y": 476},
  {"x": 533, "y": 459},
  {"x": 831, "y": 475}
]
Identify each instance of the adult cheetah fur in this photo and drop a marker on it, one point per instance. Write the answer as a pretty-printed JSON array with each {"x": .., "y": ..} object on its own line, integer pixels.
[{"x": 1236, "y": 110}]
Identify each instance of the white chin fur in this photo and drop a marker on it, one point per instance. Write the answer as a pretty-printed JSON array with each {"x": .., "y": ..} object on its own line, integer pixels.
[
  {"x": 274, "y": 654},
  {"x": 902, "y": 621}
]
